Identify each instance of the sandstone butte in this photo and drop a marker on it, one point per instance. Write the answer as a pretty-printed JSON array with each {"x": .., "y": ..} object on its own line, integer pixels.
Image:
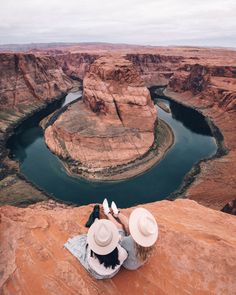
[
  {"x": 195, "y": 252},
  {"x": 113, "y": 124},
  {"x": 196, "y": 249}
]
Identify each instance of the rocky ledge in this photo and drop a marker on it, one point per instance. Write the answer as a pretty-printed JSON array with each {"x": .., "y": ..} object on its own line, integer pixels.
[
  {"x": 195, "y": 252},
  {"x": 112, "y": 126}
]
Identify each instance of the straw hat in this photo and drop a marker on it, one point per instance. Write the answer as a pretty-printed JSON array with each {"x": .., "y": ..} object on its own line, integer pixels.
[
  {"x": 102, "y": 237},
  {"x": 143, "y": 227}
]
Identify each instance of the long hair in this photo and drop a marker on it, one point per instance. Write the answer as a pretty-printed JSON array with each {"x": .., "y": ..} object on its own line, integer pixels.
[
  {"x": 109, "y": 260},
  {"x": 143, "y": 253}
]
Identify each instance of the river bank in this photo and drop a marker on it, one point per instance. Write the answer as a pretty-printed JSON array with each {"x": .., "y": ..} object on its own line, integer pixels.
[{"x": 211, "y": 174}]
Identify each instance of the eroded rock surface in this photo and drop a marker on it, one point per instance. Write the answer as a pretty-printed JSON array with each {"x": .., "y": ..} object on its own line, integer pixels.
[
  {"x": 195, "y": 252},
  {"x": 212, "y": 90},
  {"x": 28, "y": 82},
  {"x": 26, "y": 78},
  {"x": 113, "y": 124}
]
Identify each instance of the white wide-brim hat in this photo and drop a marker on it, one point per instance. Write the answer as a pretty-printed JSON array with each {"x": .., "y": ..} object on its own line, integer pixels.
[
  {"x": 143, "y": 227},
  {"x": 103, "y": 237}
]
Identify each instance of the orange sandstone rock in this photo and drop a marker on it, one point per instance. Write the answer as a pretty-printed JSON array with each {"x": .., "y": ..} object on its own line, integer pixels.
[
  {"x": 211, "y": 90},
  {"x": 113, "y": 125},
  {"x": 195, "y": 252},
  {"x": 27, "y": 79}
]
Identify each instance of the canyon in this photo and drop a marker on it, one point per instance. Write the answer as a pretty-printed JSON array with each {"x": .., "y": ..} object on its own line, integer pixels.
[
  {"x": 200, "y": 78},
  {"x": 196, "y": 248}
]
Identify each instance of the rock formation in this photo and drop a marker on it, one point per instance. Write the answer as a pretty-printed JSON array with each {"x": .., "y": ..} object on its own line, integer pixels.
[
  {"x": 195, "y": 252},
  {"x": 212, "y": 90},
  {"x": 155, "y": 69},
  {"x": 113, "y": 124},
  {"x": 26, "y": 79},
  {"x": 75, "y": 64},
  {"x": 27, "y": 83}
]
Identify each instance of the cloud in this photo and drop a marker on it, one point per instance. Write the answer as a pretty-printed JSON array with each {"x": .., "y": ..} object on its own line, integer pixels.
[{"x": 155, "y": 22}]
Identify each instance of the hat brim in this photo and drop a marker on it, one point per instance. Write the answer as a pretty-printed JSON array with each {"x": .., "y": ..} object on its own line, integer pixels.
[
  {"x": 92, "y": 243},
  {"x": 139, "y": 238}
]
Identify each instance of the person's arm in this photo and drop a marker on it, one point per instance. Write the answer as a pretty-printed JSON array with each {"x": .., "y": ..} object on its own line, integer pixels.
[
  {"x": 124, "y": 221},
  {"x": 113, "y": 220}
]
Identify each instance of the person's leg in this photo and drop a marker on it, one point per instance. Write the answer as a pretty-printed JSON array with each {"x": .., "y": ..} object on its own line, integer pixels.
[
  {"x": 123, "y": 220},
  {"x": 113, "y": 220}
]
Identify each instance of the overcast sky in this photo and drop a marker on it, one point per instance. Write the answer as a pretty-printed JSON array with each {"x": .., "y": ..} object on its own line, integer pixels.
[{"x": 154, "y": 22}]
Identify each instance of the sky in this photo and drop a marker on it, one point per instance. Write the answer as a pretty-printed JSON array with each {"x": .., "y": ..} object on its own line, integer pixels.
[{"x": 145, "y": 22}]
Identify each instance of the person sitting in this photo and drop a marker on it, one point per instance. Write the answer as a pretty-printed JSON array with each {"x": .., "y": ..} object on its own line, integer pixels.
[
  {"x": 99, "y": 251},
  {"x": 139, "y": 235}
]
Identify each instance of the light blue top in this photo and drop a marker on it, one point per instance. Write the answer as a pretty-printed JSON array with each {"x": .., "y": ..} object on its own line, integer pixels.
[
  {"x": 79, "y": 248},
  {"x": 132, "y": 262}
]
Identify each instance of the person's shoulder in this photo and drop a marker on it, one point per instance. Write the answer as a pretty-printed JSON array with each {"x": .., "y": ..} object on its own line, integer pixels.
[{"x": 127, "y": 240}]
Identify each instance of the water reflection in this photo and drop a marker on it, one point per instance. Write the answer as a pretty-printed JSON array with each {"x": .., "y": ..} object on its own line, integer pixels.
[{"x": 192, "y": 120}]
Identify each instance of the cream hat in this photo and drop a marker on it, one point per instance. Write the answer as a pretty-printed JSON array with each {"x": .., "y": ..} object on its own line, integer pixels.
[
  {"x": 143, "y": 227},
  {"x": 103, "y": 237}
]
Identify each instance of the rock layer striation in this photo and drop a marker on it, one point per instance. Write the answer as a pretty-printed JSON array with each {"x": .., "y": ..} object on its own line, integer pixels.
[
  {"x": 212, "y": 90},
  {"x": 27, "y": 78}
]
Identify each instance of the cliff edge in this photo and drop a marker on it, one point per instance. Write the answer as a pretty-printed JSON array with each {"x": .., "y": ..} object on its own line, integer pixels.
[{"x": 195, "y": 252}]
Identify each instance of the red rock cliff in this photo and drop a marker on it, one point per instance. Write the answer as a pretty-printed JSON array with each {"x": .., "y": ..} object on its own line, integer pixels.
[
  {"x": 212, "y": 90},
  {"x": 75, "y": 65},
  {"x": 26, "y": 78},
  {"x": 155, "y": 69}
]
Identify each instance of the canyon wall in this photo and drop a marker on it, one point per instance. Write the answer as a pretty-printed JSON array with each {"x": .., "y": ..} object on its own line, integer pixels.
[
  {"x": 26, "y": 78},
  {"x": 155, "y": 69},
  {"x": 194, "y": 254},
  {"x": 75, "y": 65},
  {"x": 211, "y": 90},
  {"x": 27, "y": 83}
]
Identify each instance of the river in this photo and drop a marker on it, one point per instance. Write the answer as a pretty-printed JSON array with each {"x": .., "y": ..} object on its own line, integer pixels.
[{"x": 193, "y": 142}]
